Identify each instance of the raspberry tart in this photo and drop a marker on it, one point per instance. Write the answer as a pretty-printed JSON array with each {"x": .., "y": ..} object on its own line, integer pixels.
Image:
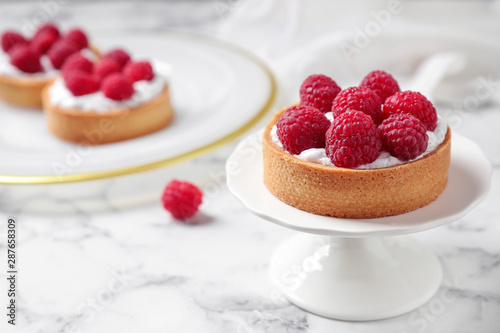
[
  {"x": 28, "y": 65},
  {"x": 115, "y": 99},
  {"x": 369, "y": 157}
]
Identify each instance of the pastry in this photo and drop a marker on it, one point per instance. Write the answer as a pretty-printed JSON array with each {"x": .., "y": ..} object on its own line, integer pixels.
[
  {"x": 113, "y": 100},
  {"x": 27, "y": 66},
  {"x": 355, "y": 166}
]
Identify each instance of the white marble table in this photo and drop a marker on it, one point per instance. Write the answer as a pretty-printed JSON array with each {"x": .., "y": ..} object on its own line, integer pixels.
[{"x": 137, "y": 270}]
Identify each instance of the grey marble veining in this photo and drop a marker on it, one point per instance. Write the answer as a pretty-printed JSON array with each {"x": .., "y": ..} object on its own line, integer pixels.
[{"x": 137, "y": 270}]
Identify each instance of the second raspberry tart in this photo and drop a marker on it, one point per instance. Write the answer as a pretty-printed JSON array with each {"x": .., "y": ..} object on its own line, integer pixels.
[{"x": 115, "y": 99}]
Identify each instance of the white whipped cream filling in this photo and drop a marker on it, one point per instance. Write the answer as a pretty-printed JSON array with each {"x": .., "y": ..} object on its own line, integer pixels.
[
  {"x": 6, "y": 68},
  {"x": 318, "y": 155},
  {"x": 61, "y": 96}
]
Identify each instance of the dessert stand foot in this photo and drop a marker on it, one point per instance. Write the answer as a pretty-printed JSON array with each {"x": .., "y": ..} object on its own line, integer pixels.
[{"x": 356, "y": 278}]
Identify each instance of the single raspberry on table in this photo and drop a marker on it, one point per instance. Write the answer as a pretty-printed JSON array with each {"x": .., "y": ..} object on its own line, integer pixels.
[
  {"x": 118, "y": 55},
  {"x": 358, "y": 98},
  {"x": 42, "y": 42},
  {"x": 413, "y": 103},
  {"x": 11, "y": 38},
  {"x": 24, "y": 58},
  {"x": 140, "y": 70},
  {"x": 80, "y": 82},
  {"x": 78, "y": 37},
  {"x": 104, "y": 68},
  {"x": 48, "y": 27},
  {"x": 382, "y": 83},
  {"x": 352, "y": 140},
  {"x": 182, "y": 199},
  {"x": 60, "y": 51},
  {"x": 117, "y": 87},
  {"x": 302, "y": 127},
  {"x": 77, "y": 61},
  {"x": 318, "y": 91},
  {"x": 404, "y": 136}
]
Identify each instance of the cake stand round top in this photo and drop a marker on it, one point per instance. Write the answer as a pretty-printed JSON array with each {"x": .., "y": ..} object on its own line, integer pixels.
[{"x": 468, "y": 184}]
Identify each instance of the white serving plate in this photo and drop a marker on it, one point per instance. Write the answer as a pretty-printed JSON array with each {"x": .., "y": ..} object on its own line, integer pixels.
[
  {"x": 211, "y": 82},
  {"x": 219, "y": 91},
  {"x": 469, "y": 180}
]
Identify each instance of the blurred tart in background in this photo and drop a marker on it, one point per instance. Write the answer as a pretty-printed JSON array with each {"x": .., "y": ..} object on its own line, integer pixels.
[
  {"x": 114, "y": 99},
  {"x": 27, "y": 65}
]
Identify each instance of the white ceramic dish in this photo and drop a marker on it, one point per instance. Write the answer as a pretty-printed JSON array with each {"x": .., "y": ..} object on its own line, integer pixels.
[
  {"x": 468, "y": 184},
  {"x": 350, "y": 272},
  {"x": 210, "y": 84}
]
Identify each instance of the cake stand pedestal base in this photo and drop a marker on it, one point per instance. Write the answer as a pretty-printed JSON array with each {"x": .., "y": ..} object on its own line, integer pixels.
[
  {"x": 359, "y": 269},
  {"x": 356, "y": 278}
]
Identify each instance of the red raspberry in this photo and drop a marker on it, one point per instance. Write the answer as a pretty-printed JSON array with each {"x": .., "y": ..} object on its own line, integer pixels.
[
  {"x": 318, "y": 91},
  {"x": 42, "y": 42},
  {"x": 104, "y": 68},
  {"x": 358, "y": 98},
  {"x": 404, "y": 136},
  {"x": 80, "y": 82},
  {"x": 48, "y": 27},
  {"x": 181, "y": 199},
  {"x": 60, "y": 51},
  {"x": 24, "y": 58},
  {"x": 352, "y": 140},
  {"x": 120, "y": 56},
  {"x": 117, "y": 86},
  {"x": 78, "y": 37},
  {"x": 413, "y": 103},
  {"x": 11, "y": 38},
  {"x": 77, "y": 61},
  {"x": 382, "y": 83},
  {"x": 302, "y": 127},
  {"x": 137, "y": 71}
]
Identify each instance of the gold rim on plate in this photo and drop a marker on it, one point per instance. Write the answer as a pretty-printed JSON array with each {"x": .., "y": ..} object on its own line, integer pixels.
[{"x": 54, "y": 179}]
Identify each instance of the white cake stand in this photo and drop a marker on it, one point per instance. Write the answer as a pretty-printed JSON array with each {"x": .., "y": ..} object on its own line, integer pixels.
[{"x": 346, "y": 268}]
